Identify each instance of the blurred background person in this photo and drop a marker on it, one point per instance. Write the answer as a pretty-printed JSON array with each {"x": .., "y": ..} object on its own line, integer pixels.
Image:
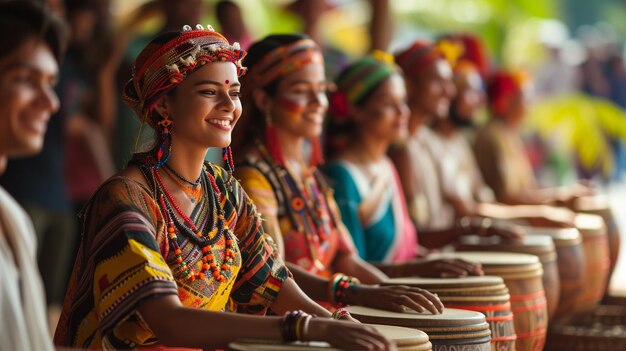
[{"x": 32, "y": 41}]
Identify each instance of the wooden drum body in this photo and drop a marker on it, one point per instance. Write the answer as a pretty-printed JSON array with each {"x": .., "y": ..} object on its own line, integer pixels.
[
  {"x": 596, "y": 248},
  {"x": 541, "y": 246},
  {"x": 599, "y": 205},
  {"x": 406, "y": 339},
  {"x": 580, "y": 338},
  {"x": 487, "y": 295},
  {"x": 572, "y": 266},
  {"x": 452, "y": 330},
  {"x": 522, "y": 274}
]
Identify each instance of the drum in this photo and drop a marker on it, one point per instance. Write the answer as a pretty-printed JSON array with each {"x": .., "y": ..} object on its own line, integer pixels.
[
  {"x": 595, "y": 246},
  {"x": 406, "y": 339},
  {"x": 454, "y": 329},
  {"x": 599, "y": 205},
  {"x": 522, "y": 274},
  {"x": 571, "y": 264},
  {"x": 611, "y": 315},
  {"x": 540, "y": 245},
  {"x": 487, "y": 295},
  {"x": 584, "y": 338}
]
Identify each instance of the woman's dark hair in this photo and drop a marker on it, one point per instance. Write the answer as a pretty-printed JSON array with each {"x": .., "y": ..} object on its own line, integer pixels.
[
  {"x": 252, "y": 123},
  {"x": 21, "y": 20}
]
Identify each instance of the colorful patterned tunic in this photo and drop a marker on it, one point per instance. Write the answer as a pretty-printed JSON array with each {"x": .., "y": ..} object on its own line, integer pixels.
[
  {"x": 125, "y": 257},
  {"x": 308, "y": 215}
]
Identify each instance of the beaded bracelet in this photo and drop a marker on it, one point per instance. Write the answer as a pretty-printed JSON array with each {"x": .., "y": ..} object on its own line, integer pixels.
[
  {"x": 339, "y": 285},
  {"x": 339, "y": 314},
  {"x": 295, "y": 325}
]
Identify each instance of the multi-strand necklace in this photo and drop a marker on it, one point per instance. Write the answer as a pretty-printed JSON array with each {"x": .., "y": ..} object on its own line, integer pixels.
[
  {"x": 204, "y": 239},
  {"x": 194, "y": 190}
]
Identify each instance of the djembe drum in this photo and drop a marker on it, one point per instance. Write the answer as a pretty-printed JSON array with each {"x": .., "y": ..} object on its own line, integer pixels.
[
  {"x": 486, "y": 294},
  {"x": 406, "y": 339},
  {"x": 571, "y": 263},
  {"x": 522, "y": 274},
  {"x": 586, "y": 338},
  {"x": 541, "y": 246},
  {"x": 595, "y": 246},
  {"x": 454, "y": 329},
  {"x": 599, "y": 205}
]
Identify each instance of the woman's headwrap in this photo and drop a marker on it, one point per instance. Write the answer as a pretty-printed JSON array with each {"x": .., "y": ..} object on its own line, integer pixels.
[
  {"x": 455, "y": 52},
  {"x": 284, "y": 60},
  {"x": 169, "y": 59},
  {"x": 417, "y": 56},
  {"x": 353, "y": 85},
  {"x": 359, "y": 79},
  {"x": 501, "y": 87},
  {"x": 473, "y": 51}
]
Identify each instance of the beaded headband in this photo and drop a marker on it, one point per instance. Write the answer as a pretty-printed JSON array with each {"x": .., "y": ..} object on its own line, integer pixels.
[
  {"x": 419, "y": 55},
  {"x": 286, "y": 59},
  {"x": 359, "y": 79},
  {"x": 165, "y": 63}
]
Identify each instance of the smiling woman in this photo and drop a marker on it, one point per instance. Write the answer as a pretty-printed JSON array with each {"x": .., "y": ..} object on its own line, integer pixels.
[{"x": 172, "y": 235}]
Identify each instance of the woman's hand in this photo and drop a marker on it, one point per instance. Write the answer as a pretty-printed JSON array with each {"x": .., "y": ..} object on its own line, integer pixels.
[
  {"x": 395, "y": 298},
  {"x": 347, "y": 335},
  {"x": 508, "y": 232},
  {"x": 442, "y": 268}
]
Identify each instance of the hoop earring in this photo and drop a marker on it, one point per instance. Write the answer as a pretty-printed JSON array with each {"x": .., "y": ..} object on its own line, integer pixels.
[
  {"x": 271, "y": 141},
  {"x": 165, "y": 126}
]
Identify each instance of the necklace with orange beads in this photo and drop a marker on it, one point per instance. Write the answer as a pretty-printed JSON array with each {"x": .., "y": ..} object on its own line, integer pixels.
[{"x": 205, "y": 240}]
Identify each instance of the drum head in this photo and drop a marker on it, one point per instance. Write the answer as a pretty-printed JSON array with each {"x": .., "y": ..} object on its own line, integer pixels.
[
  {"x": 589, "y": 224},
  {"x": 491, "y": 258},
  {"x": 268, "y": 346},
  {"x": 446, "y": 283},
  {"x": 451, "y": 317},
  {"x": 403, "y": 337},
  {"x": 540, "y": 245},
  {"x": 561, "y": 236}
]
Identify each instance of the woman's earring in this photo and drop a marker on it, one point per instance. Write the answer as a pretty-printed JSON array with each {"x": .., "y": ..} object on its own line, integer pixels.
[
  {"x": 227, "y": 155},
  {"x": 165, "y": 125},
  {"x": 271, "y": 141}
]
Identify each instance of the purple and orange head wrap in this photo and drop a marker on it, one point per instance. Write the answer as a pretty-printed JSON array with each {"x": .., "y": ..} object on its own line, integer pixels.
[{"x": 169, "y": 59}]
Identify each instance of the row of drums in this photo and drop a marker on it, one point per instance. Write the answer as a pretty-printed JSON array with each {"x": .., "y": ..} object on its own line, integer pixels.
[{"x": 553, "y": 276}]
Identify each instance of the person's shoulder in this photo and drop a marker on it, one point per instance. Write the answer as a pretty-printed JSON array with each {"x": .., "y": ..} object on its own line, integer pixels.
[{"x": 127, "y": 187}]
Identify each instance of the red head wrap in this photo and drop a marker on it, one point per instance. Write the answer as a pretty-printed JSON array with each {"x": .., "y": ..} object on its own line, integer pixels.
[
  {"x": 502, "y": 86},
  {"x": 417, "y": 56},
  {"x": 169, "y": 59}
]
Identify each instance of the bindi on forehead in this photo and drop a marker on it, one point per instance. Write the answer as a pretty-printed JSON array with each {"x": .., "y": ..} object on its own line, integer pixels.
[{"x": 226, "y": 81}]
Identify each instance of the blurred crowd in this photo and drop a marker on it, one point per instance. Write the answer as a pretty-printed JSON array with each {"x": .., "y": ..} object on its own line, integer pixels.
[{"x": 575, "y": 126}]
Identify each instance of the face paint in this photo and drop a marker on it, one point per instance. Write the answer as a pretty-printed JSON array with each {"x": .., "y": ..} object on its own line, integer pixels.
[{"x": 293, "y": 105}]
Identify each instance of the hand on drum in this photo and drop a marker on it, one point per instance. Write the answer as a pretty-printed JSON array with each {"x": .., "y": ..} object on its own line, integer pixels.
[
  {"x": 443, "y": 268},
  {"x": 347, "y": 335},
  {"x": 508, "y": 232},
  {"x": 397, "y": 298}
]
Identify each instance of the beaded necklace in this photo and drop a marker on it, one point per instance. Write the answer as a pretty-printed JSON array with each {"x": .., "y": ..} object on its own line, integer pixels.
[
  {"x": 297, "y": 205},
  {"x": 204, "y": 239},
  {"x": 194, "y": 192}
]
